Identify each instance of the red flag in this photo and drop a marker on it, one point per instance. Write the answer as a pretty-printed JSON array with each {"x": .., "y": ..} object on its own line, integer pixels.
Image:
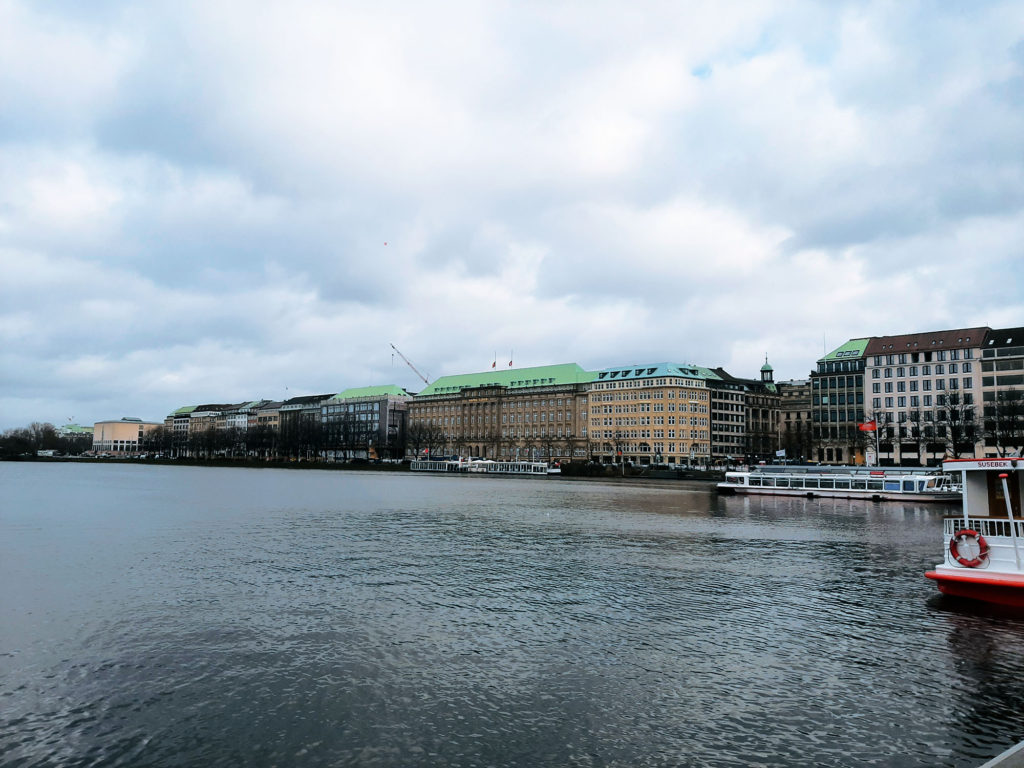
[
  {"x": 868, "y": 426},
  {"x": 494, "y": 364},
  {"x": 509, "y": 363}
]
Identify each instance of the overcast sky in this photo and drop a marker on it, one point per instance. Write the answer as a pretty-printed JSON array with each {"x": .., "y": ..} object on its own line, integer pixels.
[{"x": 218, "y": 201}]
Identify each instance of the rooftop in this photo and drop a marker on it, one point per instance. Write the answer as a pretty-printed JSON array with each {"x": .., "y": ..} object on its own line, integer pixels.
[
  {"x": 511, "y": 378},
  {"x": 854, "y": 349},
  {"x": 386, "y": 390},
  {"x": 922, "y": 342},
  {"x": 654, "y": 371}
]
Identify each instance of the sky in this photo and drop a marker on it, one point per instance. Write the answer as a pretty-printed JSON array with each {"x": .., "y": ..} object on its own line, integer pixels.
[{"x": 220, "y": 201}]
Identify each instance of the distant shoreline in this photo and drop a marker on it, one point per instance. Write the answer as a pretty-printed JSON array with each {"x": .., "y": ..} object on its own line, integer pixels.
[{"x": 357, "y": 465}]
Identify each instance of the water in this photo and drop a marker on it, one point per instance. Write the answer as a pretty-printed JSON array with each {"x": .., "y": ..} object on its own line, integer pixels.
[{"x": 167, "y": 616}]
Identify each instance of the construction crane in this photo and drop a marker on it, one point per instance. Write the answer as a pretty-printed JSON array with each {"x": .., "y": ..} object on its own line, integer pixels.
[{"x": 409, "y": 363}]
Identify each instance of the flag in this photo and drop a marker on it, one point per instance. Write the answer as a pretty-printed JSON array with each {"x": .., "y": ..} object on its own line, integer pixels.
[
  {"x": 509, "y": 363},
  {"x": 781, "y": 453},
  {"x": 494, "y": 364},
  {"x": 868, "y": 426}
]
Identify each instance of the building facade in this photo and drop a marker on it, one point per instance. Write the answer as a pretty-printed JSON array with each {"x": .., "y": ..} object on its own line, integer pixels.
[
  {"x": 925, "y": 393},
  {"x": 651, "y": 414},
  {"x": 525, "y": 413},
  {"x": 367, "y": 422},
  {"x": 121, "y": 437},
  {"x": 795, "y": 424},
  {"x": 1002, "y": 392},
  {"x": 837, "y": 405}
]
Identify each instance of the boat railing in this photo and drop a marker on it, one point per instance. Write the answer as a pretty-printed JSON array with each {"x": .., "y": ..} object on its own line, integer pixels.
[{"x": 986, "y": 526}]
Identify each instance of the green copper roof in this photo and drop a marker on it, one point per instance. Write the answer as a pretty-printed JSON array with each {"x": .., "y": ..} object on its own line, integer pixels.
[
  {"x": 381, "y": 391},
  {"x": 513, "y": 378},
  {"x": 182, "y": 411},
  {"x": 654, "y": 370},
  {"x": 766, "y": 367},
  {"x": 851, "y": 350}
]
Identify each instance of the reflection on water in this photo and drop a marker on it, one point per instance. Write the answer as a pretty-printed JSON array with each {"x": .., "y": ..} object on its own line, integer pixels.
[{"x": 184, "y": 616}]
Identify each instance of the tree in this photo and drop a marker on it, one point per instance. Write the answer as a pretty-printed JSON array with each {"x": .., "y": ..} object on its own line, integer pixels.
[
  {"x": 957, "y": 422},
  {"x": 1003, "y": 425}
]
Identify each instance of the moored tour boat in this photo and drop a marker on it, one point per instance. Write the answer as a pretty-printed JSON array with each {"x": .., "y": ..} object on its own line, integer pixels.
[
  {"x": 894, "y": 483},
  {"x": 482, "y": 466},
  {"x": 986, "y": 542}
]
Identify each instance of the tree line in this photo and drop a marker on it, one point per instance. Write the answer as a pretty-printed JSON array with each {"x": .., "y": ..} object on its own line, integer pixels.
[{"x": 42, "y": 436}]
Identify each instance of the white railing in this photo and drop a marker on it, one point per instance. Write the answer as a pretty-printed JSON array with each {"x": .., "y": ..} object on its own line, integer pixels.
[{"x": 986, "y": 526}]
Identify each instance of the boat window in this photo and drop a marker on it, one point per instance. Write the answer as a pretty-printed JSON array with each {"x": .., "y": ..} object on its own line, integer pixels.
[
  {"x": 811, "y": 482},
  {"x": 769, "y": 482},
  {"x": 892, "y": 485},
  {"x": 859, "y": 485},
  {"x": 845, "y": 484},
  {"x": 755, "y": 481},
  {"x": 908, "y": 485},
  {"x": 796, "y": 482},
  {"x": 782, "y": 482},
  {"x": 827, "y": 483},
  {"x": 874, "y": 485}
]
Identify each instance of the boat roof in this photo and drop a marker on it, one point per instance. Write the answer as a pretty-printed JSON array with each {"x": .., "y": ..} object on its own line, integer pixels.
[
  {"x": 965, "y": 465},
  {"x": 815, "y": 469}
]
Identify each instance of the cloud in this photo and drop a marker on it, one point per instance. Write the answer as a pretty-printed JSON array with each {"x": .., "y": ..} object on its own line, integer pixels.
[{"x": 211, "y": 201}]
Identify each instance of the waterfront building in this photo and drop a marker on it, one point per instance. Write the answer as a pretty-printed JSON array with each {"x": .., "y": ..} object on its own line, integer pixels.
[
  {"x": 1002, "y": 392},
  {"x": 74, "y": 430},
  {"x": 651, "y": 414},
  {"x": 728, "y": 418},
  {"x": 924, "y": 395},
  {"x": 121, "y": 437},
  {"x": 367, "y": 422},
  {"x": 759, "y": 439},
  {"x": 300, "y": 431},
  {"x": 837, "y": 404},
  {"x": 522, "y": 413},
  {"x": 795, "y": 425}
]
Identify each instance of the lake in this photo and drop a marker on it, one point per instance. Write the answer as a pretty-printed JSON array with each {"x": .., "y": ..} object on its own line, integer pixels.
[{"x": 171, "y": 616}]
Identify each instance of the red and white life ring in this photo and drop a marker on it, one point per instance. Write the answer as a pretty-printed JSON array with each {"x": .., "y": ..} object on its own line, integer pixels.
[{"x": 960, "y": 537}]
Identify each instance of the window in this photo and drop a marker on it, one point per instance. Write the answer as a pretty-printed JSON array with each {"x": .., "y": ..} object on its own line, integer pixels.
[
  {"x": 888, "y": 402},
  {"x": 876, "y": 402},
  {"x": 940, "y": 369},
  {"x": 888, "y": 386},
  {"x": 940, "y": 384},
  {"x": 888, "y": 373},
  {"x": 876, "y": 388},
  {"x": 876, "y": 373},
  {"x": 967, "y": 382}
]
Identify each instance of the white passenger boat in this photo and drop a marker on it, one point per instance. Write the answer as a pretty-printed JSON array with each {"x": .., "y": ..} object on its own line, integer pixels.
[
  {"x": 986, "y": 542},
  {"x": 844, "y": 482},
  {"x": 481, "y": 466}
]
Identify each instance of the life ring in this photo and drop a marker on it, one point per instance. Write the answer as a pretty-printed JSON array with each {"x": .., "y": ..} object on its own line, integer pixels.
[{"x": 954, "y": 548}]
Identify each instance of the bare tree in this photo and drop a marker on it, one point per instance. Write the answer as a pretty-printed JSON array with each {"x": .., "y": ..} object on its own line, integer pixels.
[
  {"x": 1003, "y": 425},
  {"x": 958, "y": 420}
]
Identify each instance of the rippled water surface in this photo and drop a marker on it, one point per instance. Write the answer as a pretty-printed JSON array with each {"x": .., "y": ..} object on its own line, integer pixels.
[{"x": 170, "y": 616}]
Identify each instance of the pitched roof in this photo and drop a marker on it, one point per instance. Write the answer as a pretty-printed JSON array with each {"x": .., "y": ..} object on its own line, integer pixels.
[
  {"x": 380, "y": 391},
  {"x": 1004, "y": 337},
  {"x": 512, "y": 378},
  {"x": 653, "y": 371},
  {"x": 853, "y": 349},
  {"x": 921, "y": 342}
]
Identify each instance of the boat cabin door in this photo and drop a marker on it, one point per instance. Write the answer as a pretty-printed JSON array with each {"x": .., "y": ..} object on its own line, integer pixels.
[{"x": 996, "y": 501}]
